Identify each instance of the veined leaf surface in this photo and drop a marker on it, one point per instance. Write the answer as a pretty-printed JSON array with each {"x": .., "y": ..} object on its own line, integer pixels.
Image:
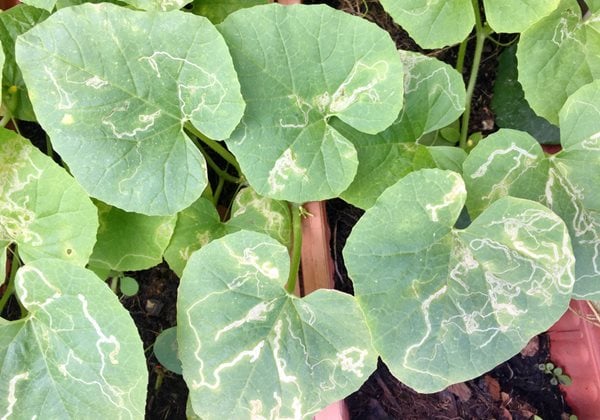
[
  {"x": 250, "y": 350},
  {"x": 433, "y": 23},
  {"x": 130, "y": 241},
  {"x": 516, "y": 15},
  {"x": 434, "y": 96},
  {"x": 77, "y": 354},
  {"x": 512, "y": 163},
  {"x": 200, "y": 223},
  {"x": 36, "y": 197},
  {"x": 14, "y": 22},
  {"x": 557, "y": 56},
  {"x": 300, "y": 67},
  {"x": 429, "y": 291},
  {"x": 113, "y": 88}
]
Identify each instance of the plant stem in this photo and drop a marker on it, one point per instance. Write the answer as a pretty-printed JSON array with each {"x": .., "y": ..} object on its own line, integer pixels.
[
  {"x": 10, "y": 286},
  {"x": 215, "y": 146},
  {"x": 481, "y": 34},
  {"x": 296, "y": 247}
]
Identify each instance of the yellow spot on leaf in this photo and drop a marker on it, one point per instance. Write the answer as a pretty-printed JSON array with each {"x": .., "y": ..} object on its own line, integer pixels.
[{"x": 67, "y": 119}]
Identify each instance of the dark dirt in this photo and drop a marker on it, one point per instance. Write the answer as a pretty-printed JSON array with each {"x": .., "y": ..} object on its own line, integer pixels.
[
  {"x": 153, "y": 309},
  {"x": 516, "y": 389}
]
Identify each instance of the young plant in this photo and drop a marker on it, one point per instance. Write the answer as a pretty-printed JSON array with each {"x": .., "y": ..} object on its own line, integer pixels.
[{"x": 199, "y": 144}]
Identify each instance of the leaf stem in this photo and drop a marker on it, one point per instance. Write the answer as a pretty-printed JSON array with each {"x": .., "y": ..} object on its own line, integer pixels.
[
  {"x": 296, "y": 247},
  {"x": 218, "y": 191},
  {"x": 5, "y": 119},
  {"x": 482, "y": 32},
  {"x": 213, "y": 165},
  {"x": 10, "y": 286},
  {"x": 215, "y": 146},
  {"x": 49, "y": 150},
  {"x": 460, "y": 59}
]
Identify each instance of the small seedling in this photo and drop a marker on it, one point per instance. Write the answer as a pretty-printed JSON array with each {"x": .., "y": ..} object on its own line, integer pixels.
[{"x": 558, "y": 376}]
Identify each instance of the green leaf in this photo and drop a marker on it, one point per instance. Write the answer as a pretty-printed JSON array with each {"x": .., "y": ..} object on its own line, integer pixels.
[
  {"x": 42, "y": 209},
  {"x": 218, "y": 10},
  {"x": 516, "y": 15},
  {"x": 76, "y": 353},
  {"x": 113, "y": 88},
  {"x": 14, "y": 22},
  {"x": 250, "y": 349},
  {"x": 557, "y": 56},
  {"x": 128, "y": 286},
  {"x": 509, "y": 104},
  {"x": 508, "y": 162},
  {"x": 433, "y": 24},
  {"x": 47, "y": 5},
  {"x": 430, "y": 291},
  {"x": 300, "y": 68},
  {"x": 512, "y": 163},
  {"x": 200, "y": 223},
  {"x": 450, "y": 158},
  {"x": 434, "y": 96},
  {"x": 165, "y": 350},
  {"x": 130, "y": 241},
  {"x": 159, "y": 5}
]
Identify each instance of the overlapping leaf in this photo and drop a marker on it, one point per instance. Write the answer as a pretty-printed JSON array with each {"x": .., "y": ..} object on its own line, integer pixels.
[
  {"x": 113, "y": 88},
  {"x": 47, "y": 5},
  {"x": 509, "y": 104},
  {"x": 250, "y": 349},
  {"x": 160, "y": 5},
  {"x": 430, "y": 291},
  {"x": 512, "y": 163},
  {"x": 557, "y": 56},
  {"x": 200, "y": 223},
  {"x": 36, "y": 198},
  {"x": 434, "y": 96},
  {"x": 130, "y": 241},
  {"x": 301, "y": 67},
  {"x": 14, "y": 22},
  {"x": 218, "y": 10},
  {"x": 516, "y": 15},
  {"x": 433, "y": 23},
  {"x": 77, "y": 353}
]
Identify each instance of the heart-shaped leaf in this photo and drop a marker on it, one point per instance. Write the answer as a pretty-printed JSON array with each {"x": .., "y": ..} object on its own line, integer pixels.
[
  {"x": 250, "y": 349},
  {"x": 200, "y": 223},
  {"x": 512, "y": 163},
  {"x": 130, "y": 241},
  {"x": 516, "y": 15},
  {"x": 429, "y": 290},
  {"x": 434, "y": 96},
  {"x": 300, "y": 67},
  {"x": 113, "y": 89},
  {"x": 76, "y": 354},
  {"x": 14, "y": 22},
  {"x": 37, "y": 196},
  {"x": 557, "y": 56},
  {"x": 433, "y": 24}
]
